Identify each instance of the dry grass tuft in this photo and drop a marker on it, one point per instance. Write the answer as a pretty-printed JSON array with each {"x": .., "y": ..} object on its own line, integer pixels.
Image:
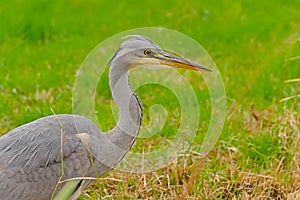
[{"x": 226, "y": 173}]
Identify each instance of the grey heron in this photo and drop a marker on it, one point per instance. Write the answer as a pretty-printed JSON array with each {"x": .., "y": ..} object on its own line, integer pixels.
[{"x": 31, "y": 155}]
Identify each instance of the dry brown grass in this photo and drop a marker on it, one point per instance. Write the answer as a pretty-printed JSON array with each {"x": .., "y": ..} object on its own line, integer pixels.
[{"x": 233, "y": 170}]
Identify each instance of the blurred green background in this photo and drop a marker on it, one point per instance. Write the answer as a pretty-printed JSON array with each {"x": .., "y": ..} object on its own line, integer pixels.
[{"x": 43, "y": 43}]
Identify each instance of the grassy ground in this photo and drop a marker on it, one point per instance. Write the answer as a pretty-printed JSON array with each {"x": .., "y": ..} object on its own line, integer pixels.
[{"x": 42, "y": 44}]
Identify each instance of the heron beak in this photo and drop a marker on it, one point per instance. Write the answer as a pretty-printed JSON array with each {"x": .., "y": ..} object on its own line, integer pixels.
[{"x": 175, "y": 61}]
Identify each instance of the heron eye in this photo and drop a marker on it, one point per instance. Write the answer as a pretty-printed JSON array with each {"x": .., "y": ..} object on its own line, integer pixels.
[{"x": 147, "y": 52}]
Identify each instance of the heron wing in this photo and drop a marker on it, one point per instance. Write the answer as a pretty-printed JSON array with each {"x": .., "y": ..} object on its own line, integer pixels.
[{"x": 30, "y": 156}]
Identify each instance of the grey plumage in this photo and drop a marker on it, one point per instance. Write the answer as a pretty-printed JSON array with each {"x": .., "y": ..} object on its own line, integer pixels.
[{"x": 30, "y": 155}]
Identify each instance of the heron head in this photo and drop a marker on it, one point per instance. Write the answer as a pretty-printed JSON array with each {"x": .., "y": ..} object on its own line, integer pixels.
[{"x": 140, "y": 50}]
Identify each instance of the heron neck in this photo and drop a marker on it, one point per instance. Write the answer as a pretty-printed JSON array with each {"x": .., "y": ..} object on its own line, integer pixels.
[{"x": 130, "y": 110}]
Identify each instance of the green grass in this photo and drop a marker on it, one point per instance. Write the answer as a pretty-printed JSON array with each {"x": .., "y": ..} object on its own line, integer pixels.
[{"x": 43, "y": 43}]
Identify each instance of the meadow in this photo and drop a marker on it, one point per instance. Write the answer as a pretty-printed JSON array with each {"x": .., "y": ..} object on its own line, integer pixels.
[{"x": 255, "y": 44}]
